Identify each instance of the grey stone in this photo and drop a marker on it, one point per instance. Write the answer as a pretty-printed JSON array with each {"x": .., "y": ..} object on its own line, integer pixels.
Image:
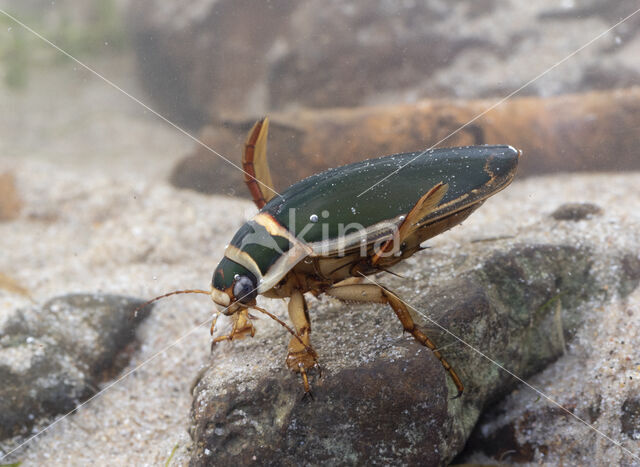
[
  {"x": 631, "y": 418},
  {"x": 576, "y": 211},
  {"x": 54, "y": 356},
  {"x": 383, "y": 398}
]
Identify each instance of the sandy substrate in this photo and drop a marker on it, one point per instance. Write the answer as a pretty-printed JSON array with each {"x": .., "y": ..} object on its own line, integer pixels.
[{"x": 129, "y": 234}]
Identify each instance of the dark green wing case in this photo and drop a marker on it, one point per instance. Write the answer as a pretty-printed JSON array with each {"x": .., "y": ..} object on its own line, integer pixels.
[{"x": 473, "y": 173}]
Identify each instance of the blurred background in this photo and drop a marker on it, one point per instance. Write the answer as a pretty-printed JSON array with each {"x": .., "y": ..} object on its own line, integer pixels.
[{"x": 343, "y": 81}]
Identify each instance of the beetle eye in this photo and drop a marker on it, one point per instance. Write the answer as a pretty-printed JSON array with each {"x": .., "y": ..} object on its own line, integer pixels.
[{"x": 244, "y": 290}]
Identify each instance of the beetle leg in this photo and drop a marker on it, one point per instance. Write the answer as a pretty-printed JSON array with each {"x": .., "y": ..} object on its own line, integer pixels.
[
  {"x": 242, "y": 326},
  {"x": 254, "y": 163},
  {"x": 426, "y": 204},
  {"x": 300, "y": 356},
  {"x": 349, "y": 281},
  {"x": 374, "y": 293}
]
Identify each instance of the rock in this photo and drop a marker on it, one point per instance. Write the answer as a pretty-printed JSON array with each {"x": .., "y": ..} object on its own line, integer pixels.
[
  {"x": 505, "y": 442},
  {"x": 384, "y": 399},
  {"x": 596, "y": 383},
  {"x": 506, "y": 438},
  {"x": 246, "y": 58},
  {"x": 631, "y": 273},
  {"x": 54, "y": 356},
  {"x": 576, "y": 211},
  {"x": 631, "y": 418},
  {"x": 10, "y": 203},
  {"x": 372, "y": 406},
  {"x": 591, "y": 131}
]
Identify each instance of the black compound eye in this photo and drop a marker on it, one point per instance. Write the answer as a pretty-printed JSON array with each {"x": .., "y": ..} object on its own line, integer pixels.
[{"x": 244, "y": 290}]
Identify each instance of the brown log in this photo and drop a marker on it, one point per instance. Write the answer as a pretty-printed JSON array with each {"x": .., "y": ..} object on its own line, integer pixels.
[{"x": 595, "y": 131}]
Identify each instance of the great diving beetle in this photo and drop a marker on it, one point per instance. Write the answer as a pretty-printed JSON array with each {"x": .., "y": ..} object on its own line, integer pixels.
[{"x": 324, "y": 234}]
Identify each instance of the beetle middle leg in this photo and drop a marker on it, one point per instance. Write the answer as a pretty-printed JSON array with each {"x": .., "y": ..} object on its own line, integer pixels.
[
  {"x": 300, "y": 357},
  {"x": 376, "y": 294}
]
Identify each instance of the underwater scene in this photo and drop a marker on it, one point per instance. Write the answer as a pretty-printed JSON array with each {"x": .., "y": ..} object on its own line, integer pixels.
[{"x": 417, "y": 224}]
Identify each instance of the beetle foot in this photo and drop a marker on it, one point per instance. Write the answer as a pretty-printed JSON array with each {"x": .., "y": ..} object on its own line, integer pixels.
[
  {"x": 307, "y": 396},
  {"x": 242, "y": 326},
  {"x": 457, "y": 396},
  {"x": 237, "y": 334},
  {"x": 301, "y": 361}
]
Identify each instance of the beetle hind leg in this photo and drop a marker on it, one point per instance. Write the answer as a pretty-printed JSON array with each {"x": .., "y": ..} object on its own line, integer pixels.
[
  {"x": 301, "y": 357},
  {"x": 257, "y": 175},
  {"x": 373, "y": 293}
]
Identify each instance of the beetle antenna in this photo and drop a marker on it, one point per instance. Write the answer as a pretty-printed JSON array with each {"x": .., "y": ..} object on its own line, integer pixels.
[{"x": 159, "y": 297}]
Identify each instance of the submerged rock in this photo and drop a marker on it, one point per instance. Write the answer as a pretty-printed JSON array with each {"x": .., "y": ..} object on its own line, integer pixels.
[
  {"x": 576, "y": 211},
  {"x": 631, "y": 418},
  {"x": 382, "y": 397},
  {"x": 54, "y": 356}
]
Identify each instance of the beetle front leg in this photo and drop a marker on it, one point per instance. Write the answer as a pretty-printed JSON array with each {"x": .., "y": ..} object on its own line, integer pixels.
[
  {"x": 301, "y": 356},
  {"x": 242, "y": 326},
  {"x": 376, "y": 294}
]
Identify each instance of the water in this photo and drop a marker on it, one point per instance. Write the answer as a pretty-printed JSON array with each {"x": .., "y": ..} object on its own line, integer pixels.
[{"x": 95, "y": 174}]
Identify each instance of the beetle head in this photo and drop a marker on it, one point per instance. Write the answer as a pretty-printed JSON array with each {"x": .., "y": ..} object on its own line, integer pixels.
[{"x": 233, "y": 286}]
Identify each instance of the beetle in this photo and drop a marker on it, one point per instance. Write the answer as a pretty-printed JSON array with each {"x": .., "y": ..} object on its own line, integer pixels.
[{"x": 326, "y": 233}]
